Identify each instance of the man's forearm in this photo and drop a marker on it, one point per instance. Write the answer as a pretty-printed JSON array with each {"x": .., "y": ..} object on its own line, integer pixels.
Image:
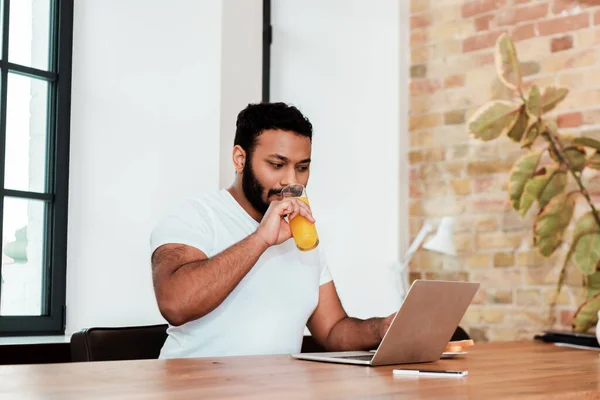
[
  {"x": 196, "y": 288},
  {"x": 355, "y": 334}
]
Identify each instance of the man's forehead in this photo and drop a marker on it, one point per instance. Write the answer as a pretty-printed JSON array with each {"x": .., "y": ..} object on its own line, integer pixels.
[{"x": 284, "y": 143}]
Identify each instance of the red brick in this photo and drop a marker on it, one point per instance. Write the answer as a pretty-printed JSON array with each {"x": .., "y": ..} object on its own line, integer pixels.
[
  {"x": 566, "y": 317},
  {"x": 422, "y": 86},
  {"x": 514, "y": 16},
  {"x": 597, "y": 18},
  {"x": 418, "y": 71},
  {"x": 523, "y": 32},
  {"x": 474, "y": 7},
  {"x": 570, "y": 120},
  {"x": 419, "y": 21},
  {"x": 565, "y": 24},
  {"x": 415, "y": 157},
  {"x": 489, "y": 206},
  {"x": 583, "y": 58},
  {"x": 414, "y": 190},
  {"x": 454, "y": 81},
  {"x": 490, "y": 183},
  {"x": 591, "y": 117},
  {"x": 477, "y": 168},
  {"x": 418, "y": 37},
  {"x": 485, "y": 59},
  {"x": 479, "y": 42},
  {"x": 567, "y": 5},
  {"x": 414, "y": 174},
  {"x": 483, "y": 23},
  {"x": 561, "y": 43}
]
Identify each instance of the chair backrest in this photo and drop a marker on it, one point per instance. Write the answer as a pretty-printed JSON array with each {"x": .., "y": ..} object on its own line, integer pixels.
[
  {"x": 460, "y": 334},
  {"x": 145, "y": 342},
  {"x": 123, "y": 343}
]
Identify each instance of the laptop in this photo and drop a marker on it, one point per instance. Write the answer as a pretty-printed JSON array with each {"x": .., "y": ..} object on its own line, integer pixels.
[{"x": 420, "y": 330}]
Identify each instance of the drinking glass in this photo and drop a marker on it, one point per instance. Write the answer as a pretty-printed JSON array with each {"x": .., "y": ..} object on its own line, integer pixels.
[{"x": 303, "y": 231}]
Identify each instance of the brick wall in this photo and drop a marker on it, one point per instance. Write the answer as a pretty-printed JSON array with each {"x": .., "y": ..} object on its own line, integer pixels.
[{"x": 452, "y": 74}]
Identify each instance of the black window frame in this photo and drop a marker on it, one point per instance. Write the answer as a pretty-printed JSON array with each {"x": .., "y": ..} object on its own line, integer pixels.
[
  {"x": 58, "y": 76},
  {"x": 266, "y": 51}
]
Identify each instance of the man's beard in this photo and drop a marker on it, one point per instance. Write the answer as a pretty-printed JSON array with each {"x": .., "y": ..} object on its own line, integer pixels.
[{"x": 253, "y": 190}]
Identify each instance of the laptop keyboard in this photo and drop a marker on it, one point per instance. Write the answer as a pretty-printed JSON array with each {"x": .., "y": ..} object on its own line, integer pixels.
[{"x": 359, "y": 358}]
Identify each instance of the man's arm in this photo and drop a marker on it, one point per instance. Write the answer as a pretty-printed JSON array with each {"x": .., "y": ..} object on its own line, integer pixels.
[
  {"x": 188, "y": 285},
  {"x": 332, "y": 328}
]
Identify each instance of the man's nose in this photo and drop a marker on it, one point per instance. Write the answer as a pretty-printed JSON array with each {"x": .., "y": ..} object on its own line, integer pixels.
[{"x": 289, "y": 177}]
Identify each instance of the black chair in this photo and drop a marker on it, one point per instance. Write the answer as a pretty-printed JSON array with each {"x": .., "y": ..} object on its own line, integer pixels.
[
  {"x": 460, "y": 334},
  {"x": 145, "y": 342},
  {"x": 124, "y": 343}
]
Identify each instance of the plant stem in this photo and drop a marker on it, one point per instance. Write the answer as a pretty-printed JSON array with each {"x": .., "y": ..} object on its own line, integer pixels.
[{"x": 558, "y": 148}]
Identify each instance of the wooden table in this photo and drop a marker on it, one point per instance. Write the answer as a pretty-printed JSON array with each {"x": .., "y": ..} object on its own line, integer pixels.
[{"x": 498, "y": 370}]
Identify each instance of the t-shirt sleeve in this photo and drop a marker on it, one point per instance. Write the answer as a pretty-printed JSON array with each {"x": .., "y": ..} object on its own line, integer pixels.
[
  {"x": 187, "y": 225},
  {"x": 325, "y": 274}
]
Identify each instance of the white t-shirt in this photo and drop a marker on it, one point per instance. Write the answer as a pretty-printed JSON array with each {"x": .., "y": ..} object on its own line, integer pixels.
[{"x": 267, "y": 311}]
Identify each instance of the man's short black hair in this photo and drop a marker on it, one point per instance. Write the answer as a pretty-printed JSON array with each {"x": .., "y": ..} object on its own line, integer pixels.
[{"x": 256, "y": 118}]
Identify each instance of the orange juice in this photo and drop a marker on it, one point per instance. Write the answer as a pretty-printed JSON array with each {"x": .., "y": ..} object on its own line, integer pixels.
[{"x": 304, "y": 232}]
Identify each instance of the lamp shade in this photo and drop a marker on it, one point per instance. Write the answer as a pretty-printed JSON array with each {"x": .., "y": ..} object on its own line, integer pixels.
[{"x": 443, "y": 242}]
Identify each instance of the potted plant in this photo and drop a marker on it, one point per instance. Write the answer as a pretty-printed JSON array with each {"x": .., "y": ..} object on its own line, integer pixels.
[{"x": 543, "y": 173}]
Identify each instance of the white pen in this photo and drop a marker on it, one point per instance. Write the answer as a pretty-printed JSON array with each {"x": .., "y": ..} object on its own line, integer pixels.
[{"x": 431, "y": 372}]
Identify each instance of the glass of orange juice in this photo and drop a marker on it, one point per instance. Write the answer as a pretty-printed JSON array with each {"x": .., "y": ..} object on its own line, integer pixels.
[{"x": 303, "y": 231}]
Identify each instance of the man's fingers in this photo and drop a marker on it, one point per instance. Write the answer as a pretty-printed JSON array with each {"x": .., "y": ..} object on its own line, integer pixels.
[
  {"x": 306, "y": 213},
  {"x": 295, "y": 207}
]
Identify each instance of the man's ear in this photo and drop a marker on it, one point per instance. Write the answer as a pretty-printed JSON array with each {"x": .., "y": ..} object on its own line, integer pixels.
[{"x": 239, "y": 158}]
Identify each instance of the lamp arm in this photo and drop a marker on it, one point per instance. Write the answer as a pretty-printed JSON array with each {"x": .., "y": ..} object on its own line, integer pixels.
[
  {"x": 412, "y": 249},
  {"x": 418, "y": 242}
]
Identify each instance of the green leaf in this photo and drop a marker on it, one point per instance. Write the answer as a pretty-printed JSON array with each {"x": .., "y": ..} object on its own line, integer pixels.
[
  {"x": 563, "y": 273},
  {"x": 587, "y": 252},
  {"x": 531, "y": 134},
  {"x": 587, "y": 142},
  {"x": 534, "y": 106},
  {"x": 518, "y": 130},
  {"x": 593, "y": 161},
  {"x": 586, "y": 316},
  {"x": 521, "y": 172},
  {"x": 576, "y": 157},
  {"x": 507, "y": 62},
  {"x": 555, "y": 186},
  {"x": 551, "y": 97},
  {"x": 593, "y": 284},
  {"x": 546, "y": 183},
  {"x": 493, "y": 120},
  {"x": 552, "y": 127},
  {"x": 534, "y": 187},
  {"x": 585, "y": 223},
  {"x": 551, "y": 222},
  {"x": 585, "y": 229},
  {"x": 566, "y": 141}
]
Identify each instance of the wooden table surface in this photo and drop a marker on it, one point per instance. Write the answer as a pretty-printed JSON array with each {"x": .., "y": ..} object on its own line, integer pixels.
[{"x": 496, "y": 370}]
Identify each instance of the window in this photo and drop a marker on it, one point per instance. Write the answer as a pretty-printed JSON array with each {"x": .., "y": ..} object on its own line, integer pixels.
[{"x": 35, "y": 101}]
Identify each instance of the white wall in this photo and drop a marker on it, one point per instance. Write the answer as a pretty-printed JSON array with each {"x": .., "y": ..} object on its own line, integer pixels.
[
  {"x": 403, "y": 132},
  {"x": 156, "y": 88},
  {"x": 146, "y": 102},
  {"x": 339, "y": 62}
]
